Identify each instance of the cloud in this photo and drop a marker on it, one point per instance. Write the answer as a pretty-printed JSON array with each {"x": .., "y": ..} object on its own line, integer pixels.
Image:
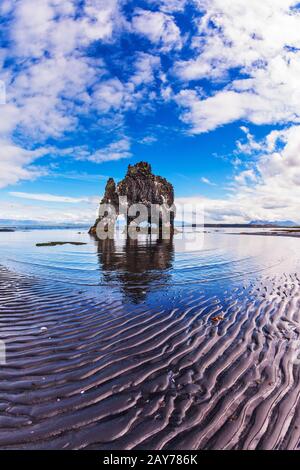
[
  {"x": 251, "y": 144},
  {"x": 207, "y": 181},
  {"x": 204, "y": 115},
  {"x": 54, "y": 83},
  {"x": 246, "y": 177},
  {"x": 169, "y": 6},
  {"x": 160, "y": 28},
  {"x": 269, "y": 189},
  {"x": 16, "y": 163},
  {"x": 48, "y": 74},
  {"x": 258, "y": 39},
  {"x": 111, "y": 95},
  {"x": 60, "y": 27},
  {"x": 148, "y": 140},
  {"x": 83, "y": 214},
  {"x": 112, "y": 152},
  {"x": 49, "y": 197},
  {"x": 145, "y": 67}
]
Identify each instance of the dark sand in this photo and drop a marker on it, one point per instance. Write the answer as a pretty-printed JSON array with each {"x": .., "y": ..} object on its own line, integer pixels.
[
  {"x": 275, "y": 233},
  {"x": 207, "y": 374}
]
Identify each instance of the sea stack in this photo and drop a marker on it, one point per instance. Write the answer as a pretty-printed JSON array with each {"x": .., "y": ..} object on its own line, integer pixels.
[{"x": 140, "y": 186}]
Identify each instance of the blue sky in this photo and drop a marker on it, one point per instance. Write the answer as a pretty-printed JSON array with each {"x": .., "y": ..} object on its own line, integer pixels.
[{"x": 205, "y": 90}]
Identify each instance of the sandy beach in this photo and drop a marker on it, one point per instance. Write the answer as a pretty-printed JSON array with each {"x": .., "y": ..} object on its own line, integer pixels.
[{"x": 196, "y": 371}]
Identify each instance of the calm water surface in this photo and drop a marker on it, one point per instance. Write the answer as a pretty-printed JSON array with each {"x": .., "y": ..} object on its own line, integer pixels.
[{"x": 145, "y": 265}]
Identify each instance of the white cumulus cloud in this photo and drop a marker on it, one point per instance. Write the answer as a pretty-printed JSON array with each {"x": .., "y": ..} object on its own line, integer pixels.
[
  {"x": 261, "y": 41},
  {"x": 160, "y": 28}
]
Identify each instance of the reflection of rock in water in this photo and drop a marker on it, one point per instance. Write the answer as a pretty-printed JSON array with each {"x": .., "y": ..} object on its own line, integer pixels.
[{"x": 137, "y": 266}]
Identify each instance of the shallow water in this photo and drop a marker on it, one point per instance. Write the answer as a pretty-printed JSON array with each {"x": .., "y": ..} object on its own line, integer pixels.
[
  {"x": 203, "y": 257},
  {"x": 117, "y": 344}
]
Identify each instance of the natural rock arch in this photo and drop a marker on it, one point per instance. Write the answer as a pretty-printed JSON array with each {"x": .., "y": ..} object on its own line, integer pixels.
[{"x": 140, "y": 186}]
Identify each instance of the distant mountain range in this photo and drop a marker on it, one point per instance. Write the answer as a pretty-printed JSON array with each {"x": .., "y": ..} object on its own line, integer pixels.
[
  {"x": 277, "y": 223},
  {"x": 33, "y": 224},
  {"x": 252, "y": 224},
  {"x": 37, "y": 224}
]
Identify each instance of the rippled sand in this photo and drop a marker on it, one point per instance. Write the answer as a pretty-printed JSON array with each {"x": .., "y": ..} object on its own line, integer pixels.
[{"x": 195, "y": 370}]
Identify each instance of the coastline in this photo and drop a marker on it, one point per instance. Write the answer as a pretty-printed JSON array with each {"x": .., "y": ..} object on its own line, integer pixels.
[{"x": 285, "y": 233}]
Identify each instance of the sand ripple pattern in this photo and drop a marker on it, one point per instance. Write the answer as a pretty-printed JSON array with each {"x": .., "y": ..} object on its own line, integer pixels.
[{"x": 83, "y": 373}]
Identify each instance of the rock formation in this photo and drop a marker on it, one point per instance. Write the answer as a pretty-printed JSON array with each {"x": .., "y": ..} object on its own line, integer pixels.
[{"x": 140, "y": 186}]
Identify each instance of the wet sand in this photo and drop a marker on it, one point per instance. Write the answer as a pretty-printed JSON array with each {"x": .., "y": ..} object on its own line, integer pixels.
[
  {"x": 206, "y": 373},
  {"x": 275, "y": 233}
]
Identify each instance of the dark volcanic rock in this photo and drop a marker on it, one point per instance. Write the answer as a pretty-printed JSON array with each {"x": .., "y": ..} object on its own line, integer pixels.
[
  {"x": 140, "y": 186},
  {"x": 110, "y": 195},
  {"x": 60, "y": 243}
]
